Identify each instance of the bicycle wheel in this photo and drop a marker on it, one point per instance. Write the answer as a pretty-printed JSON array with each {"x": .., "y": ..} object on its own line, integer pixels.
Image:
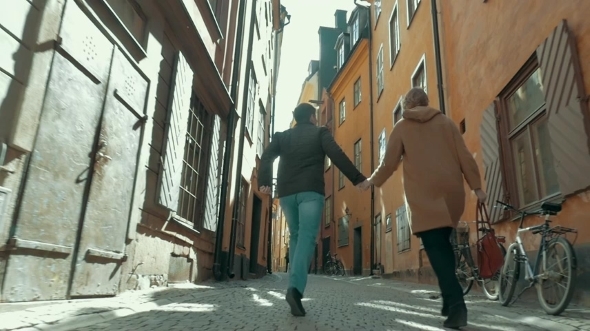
[
  {"x": 491, "y": 287},
  {"x": 563, "y": 276},
  {"x": 340, "y": 270},
  {"x": 509, "y": 275},
  {"x": 463, "y": 272},
  {"x": 329, "y": 268}
]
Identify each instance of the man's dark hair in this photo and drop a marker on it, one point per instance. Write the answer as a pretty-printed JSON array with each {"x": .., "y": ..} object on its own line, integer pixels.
[{"x": 303, "y": 112}]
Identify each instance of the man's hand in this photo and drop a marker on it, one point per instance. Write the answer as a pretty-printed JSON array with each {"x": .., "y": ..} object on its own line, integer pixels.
[
  {"x": 265, "y": 189},
  {"x": 481, "y": 195},
  {"x": 364, "y": 185}
]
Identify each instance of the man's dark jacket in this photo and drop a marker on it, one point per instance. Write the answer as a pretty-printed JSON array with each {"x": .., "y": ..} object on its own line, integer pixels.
[{"x": 301, "y": 167}]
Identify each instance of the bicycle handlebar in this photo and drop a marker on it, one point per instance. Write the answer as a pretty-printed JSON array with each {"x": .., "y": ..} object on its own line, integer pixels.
[{"x": 523, "y": 214}]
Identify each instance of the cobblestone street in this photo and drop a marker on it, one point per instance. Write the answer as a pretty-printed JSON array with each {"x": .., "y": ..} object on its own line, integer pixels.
[{"x": 341, "y": 303}]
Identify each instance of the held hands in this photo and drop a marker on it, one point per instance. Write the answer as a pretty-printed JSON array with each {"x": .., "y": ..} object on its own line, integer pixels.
[
  {"x": 481, "y": 195},
  {"x": 265, "y": 189},
  {"x": 364, "y": 185}
]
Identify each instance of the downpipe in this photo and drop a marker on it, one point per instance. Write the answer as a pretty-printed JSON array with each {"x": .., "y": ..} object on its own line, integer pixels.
[
  {"x": 217, "y": 272},
  {"x": 238, "y": 174}
]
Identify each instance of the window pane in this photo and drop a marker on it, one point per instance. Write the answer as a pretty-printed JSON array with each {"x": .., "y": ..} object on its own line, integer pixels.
[
  {"x": 547, "y": 175},
  {"x": 528, "y": 98},
  {"x": 527, "y": 189},
  {"x": 131, "y": 18}
]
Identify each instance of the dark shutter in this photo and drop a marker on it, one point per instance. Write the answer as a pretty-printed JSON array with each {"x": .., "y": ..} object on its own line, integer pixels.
[
  {"x": 492, "y": 163},
  {"x": 176, "y": 126},
  {"x": 567, "y": 108}
]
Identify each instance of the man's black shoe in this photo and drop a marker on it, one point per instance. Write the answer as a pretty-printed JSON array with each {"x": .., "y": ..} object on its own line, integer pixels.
[
  {"x": 445, "y": 309},
  {"x": 457, "y": 316},
  {"x": 293, "y": 298}
]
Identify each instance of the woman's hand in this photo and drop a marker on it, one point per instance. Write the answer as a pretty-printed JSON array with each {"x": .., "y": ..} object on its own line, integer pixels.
[{"x": 481, "y": 195}]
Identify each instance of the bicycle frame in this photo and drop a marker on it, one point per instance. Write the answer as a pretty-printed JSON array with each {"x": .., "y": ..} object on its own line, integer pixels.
[{"x": 531, "y": 273}]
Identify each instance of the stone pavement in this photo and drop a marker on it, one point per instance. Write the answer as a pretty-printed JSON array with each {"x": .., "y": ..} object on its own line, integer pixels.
[{"x": 332, "y": 303}]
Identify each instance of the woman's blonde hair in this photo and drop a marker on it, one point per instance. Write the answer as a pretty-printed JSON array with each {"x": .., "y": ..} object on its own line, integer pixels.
[{"x": 414, "y": 98}]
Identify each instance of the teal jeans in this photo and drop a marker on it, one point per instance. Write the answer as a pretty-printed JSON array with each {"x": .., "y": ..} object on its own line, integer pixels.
[{"x": 304, "y": 214}]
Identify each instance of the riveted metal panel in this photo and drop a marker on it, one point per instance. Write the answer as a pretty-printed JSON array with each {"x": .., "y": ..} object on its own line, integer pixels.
[
  {"x": 102, "y": 244},
  {"x": 39, "y": 267}
]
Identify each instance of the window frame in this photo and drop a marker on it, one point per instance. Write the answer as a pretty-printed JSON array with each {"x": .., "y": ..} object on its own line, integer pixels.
[
  {"x": 356, "y": 30},
  {"x": 341, "y": 180},
  {"x": 252, "y": 94},
  {"x": 358, "y": 154},
  {"x": 327, "y": 211},
  {"x": 341, "y": 221},
  {"x": 382, "y": 145},
  {"x": 388, "y": 223},
  {"x": 378, "y": 8},
  {"x": 421, "y": 66},
  {"x": 380, "y": 78},
  {"x": 357, "y": 93},
  {"x": 392, "y": 56},
  {"x": 411, "y": 15},
  {"x": 397, "y": 111},
  {"x": 260, "y": 136},
  {"x": 341, "y": 111},
  {"x": 340, "y": 56},
  {"x": 508, "y": 135}
]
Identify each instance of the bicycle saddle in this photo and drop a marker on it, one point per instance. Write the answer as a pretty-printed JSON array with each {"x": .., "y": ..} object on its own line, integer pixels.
[{"x": 551, "y": 208}]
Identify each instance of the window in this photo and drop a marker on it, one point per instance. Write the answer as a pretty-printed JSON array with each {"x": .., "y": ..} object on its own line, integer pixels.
[
  {"x": 343, "y": 231},
  {"x": 252, "y": 87},
  {"x": 377, "y": 5},
  {"x": 357, "y": 92},
  {"x": 261, "y": 130},
  {"x": 382, "y": 146},
  {"x": 388, "y": 225},
  {"x": 241, "y": 228},
  {"x": 419, "y": 75},
  {"x": 355, "y": 31},
  {"x": 394, "y": 42},
  {"x": 340, "y": 56},
  {"x": 412, "y": 7},
  {"x": 403, "y": 229},
  {"x": 528, "y": 136},
  {"x": 264, "y": 64},
  {"x": 358, "y": 159},
  {"x": 257, "y": 27},
  {"x": 462, "y": 127},
  {"x": 342, "y": 111},
  {"x": 191, "y": 200},
  {"x": 328, "y": 211},
  {"x": 132, "y": 17},
  {"x": 327, "y": 163},
  {"x": 380, "y": 71},
  {"x": 340, "y": 180},
  {"x": 397, "y": 113}
]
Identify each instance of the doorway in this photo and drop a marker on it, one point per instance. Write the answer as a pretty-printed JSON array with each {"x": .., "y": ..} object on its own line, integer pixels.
[
  {"x": 358, "y": 251},
  {"x": 255, "y": 235}
]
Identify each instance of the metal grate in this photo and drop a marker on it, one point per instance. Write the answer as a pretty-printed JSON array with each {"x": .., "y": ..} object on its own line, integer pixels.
[{"x": 195, "y": 160}]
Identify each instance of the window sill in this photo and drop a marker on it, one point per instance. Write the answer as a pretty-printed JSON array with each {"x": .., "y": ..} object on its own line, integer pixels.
[
  {"x": 326, "y": 225},
  {"x": 341, "y": 188},
  {"x": 380, "y": 93},
  {"x": 241, "y": 247},
  {"x": 343, "y": 245},
  {"x": 404, "y": 251},
  {"x": 388, "y": 230},
  {"x": 247, "y": 134},
  {"x": 185, "y": 224},
  {"x": 392, "y": 61}
]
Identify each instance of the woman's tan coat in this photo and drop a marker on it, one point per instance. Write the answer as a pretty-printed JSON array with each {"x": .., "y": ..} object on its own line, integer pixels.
[{"x": 435, "y": 160}]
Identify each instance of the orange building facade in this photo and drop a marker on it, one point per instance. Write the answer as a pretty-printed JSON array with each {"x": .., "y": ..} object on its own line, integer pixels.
[{"x": 523, "y": 104}]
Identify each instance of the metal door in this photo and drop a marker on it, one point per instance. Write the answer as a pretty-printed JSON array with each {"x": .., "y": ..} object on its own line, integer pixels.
[
  {"x": 51, "y": 208},
  {"x": 102, "y": 244}
]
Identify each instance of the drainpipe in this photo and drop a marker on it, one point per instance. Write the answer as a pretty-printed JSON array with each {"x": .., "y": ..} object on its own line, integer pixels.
[
  {"x": 437, "y": 55},
  {"x": 238, "y": 174},
  {"x": 367, "y": 6},
  {"x": 217, "y": 273}
]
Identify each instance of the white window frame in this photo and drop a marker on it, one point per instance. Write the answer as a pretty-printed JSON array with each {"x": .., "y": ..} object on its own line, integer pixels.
[
  {"x": 340, "y": 57},
  {"x": 382, "y": 145},
  {"x": 357, "y": 100},
  {"x": 377, "y": 5},
  {"x": 410, "y": 18},
  {"x": 421, "y": 63},
  {"x": 397, "y": 47},
  {"x": 380, "y": 78},
  {"x": 355, "y": 30},
  {"x": 397, "y": 106},
  {"x": 342, "y": 111}
]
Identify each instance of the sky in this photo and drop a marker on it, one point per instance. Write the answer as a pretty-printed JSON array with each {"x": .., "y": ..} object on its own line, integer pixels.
[{"x": 301, "y": 45}]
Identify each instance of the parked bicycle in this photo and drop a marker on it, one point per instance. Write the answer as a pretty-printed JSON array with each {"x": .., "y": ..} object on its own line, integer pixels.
[
  {"x": 333, "y": 266},
  {"x": 541, "y": 275},
  {"x": 467, "y": 270}
]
